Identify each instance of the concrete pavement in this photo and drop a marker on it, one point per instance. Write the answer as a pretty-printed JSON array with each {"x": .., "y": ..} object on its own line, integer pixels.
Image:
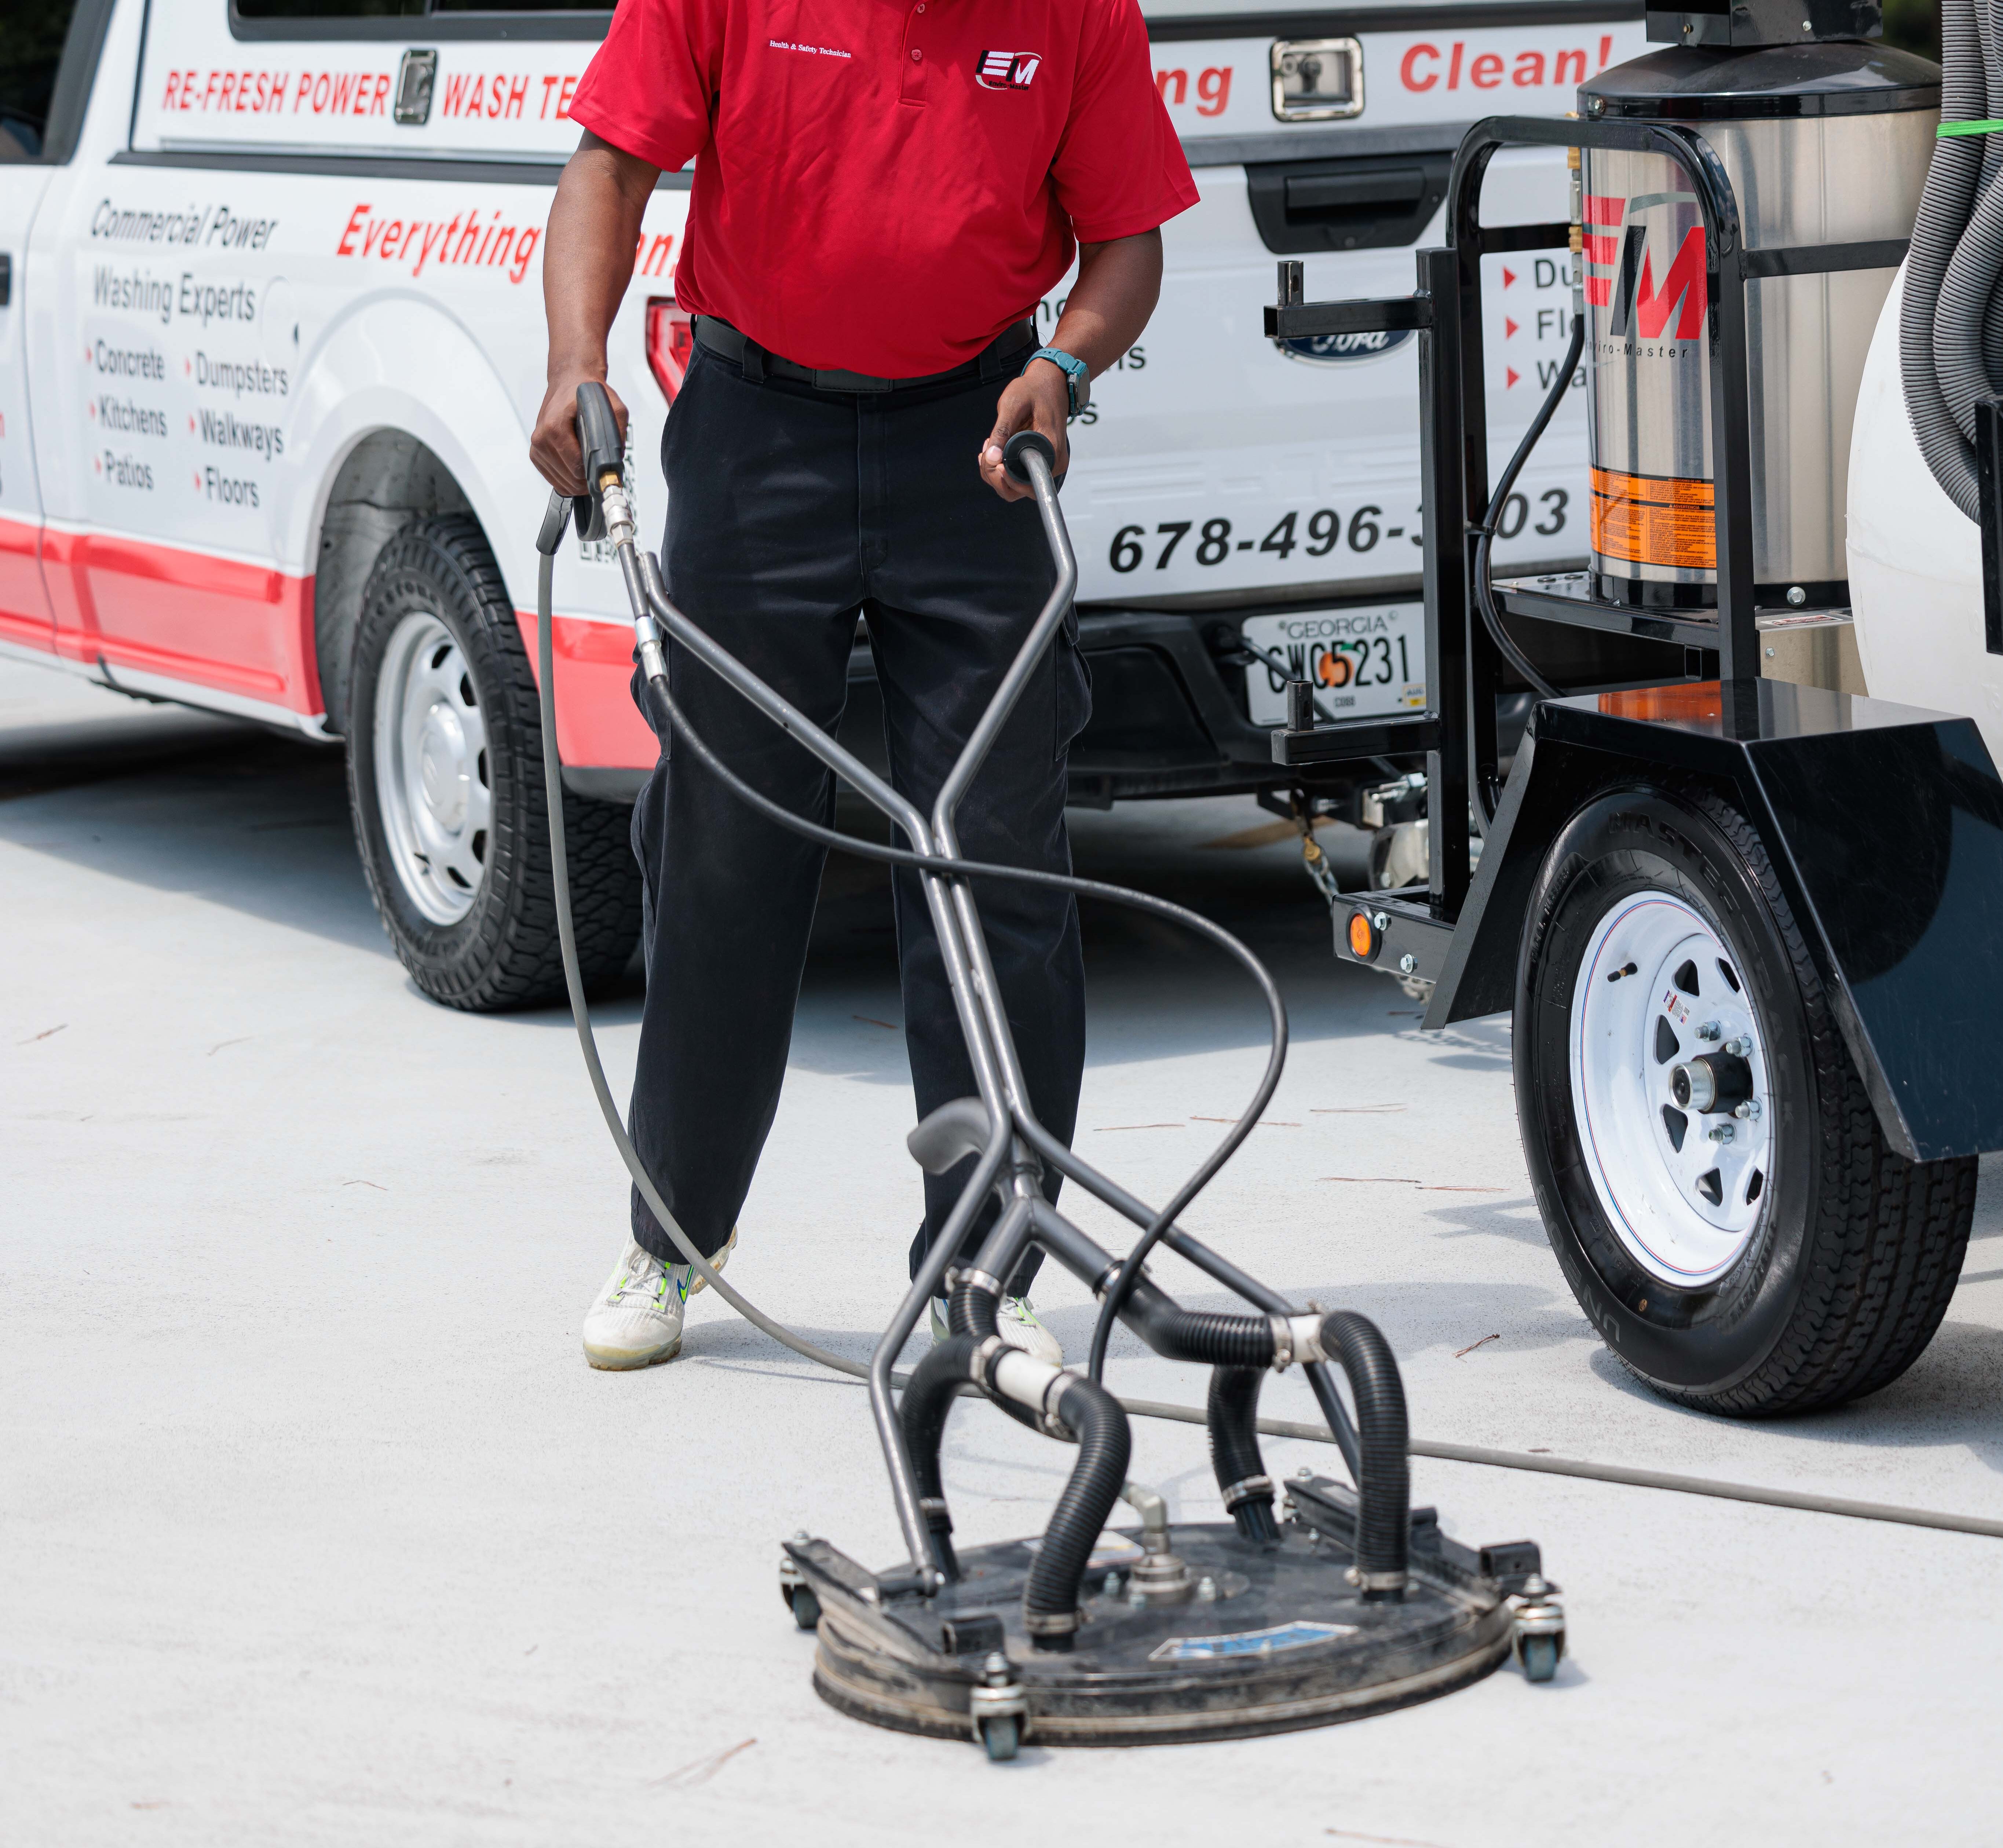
[{"x": 315, "y": 1527}]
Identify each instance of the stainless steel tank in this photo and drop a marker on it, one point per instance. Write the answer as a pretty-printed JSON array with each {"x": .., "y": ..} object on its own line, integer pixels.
[{"x": 1823, "y": 143}]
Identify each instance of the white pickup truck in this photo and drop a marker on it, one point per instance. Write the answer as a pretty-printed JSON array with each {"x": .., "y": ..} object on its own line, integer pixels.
[{"x": 271, "y": 339}]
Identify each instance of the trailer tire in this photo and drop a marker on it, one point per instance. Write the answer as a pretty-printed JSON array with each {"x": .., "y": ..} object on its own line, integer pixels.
[
  {"x": 1829, "y": 1270},
  {"x": 445, "y": 782}
]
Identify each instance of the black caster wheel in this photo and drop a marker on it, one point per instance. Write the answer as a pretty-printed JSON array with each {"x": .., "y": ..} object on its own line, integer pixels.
[
  {"x": 806, "y": 1608},
  {"x": 1540, "y": 1657},
  {"x": 1002, "y": 1737}
]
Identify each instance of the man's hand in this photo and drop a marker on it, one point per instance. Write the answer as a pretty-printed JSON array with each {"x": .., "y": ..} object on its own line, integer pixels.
[
  {"x": 587, "y": 262},
  {"x": 1104, "y": 314},
  {"x": 553, "y": 446},
  {"x": 1038, "y": 400}
]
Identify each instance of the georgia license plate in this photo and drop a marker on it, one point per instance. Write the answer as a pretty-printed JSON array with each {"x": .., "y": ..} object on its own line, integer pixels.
[{"x": 1362, "y": 661}]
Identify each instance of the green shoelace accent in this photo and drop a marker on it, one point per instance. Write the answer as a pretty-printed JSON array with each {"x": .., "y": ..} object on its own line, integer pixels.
[{"x": 1952, "y": 128}]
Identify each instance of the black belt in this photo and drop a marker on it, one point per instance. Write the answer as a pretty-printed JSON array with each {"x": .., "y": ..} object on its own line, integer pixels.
[{"x": 725, "y": 341}]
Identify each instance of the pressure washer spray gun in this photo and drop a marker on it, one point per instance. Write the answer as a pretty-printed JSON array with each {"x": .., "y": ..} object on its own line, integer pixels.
[{"x": 1313, "y": 1601}]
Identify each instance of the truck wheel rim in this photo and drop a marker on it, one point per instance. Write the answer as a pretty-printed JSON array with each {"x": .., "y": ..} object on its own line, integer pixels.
[
  {"x": 1656, "y": 989},
  {"x": 432, "y": 770}
]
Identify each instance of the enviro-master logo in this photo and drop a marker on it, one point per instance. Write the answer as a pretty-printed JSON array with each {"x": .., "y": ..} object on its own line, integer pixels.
[
  {"x": 1007, "y": 70},
  {"x": 1620, "y": 275}
]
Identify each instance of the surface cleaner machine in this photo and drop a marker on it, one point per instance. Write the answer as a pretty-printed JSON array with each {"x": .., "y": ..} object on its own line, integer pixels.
[
  {"x": 1321, "y": 1601},
  {"x": 1749, "y": 922}
]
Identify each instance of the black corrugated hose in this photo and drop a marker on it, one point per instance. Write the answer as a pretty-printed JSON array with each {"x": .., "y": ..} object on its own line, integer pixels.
[
  {"x": 1384, "y": 1495},
  {"x": 935, "y": 1383},
  {"x": 1104, "y": 1445},
  {"x": 1233, "y": 1415},
  {"x": 1198, "y": 1334},
  {"x": 1949, "y": 301}
]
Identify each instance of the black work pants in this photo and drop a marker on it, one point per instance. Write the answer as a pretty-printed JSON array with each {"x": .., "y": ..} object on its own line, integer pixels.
[{"x": 792, "y": 511}]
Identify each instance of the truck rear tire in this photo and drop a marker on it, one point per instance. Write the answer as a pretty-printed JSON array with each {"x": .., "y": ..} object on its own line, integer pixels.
[
  {"x": 445, "y": 779},
  {"x": 1712, "y": 1174}
]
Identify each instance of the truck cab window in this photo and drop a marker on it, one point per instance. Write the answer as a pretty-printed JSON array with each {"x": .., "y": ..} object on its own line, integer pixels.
[{"x": 31, "y": 44}]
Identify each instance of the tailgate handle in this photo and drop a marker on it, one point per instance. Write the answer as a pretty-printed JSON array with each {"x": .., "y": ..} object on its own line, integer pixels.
[{"x": 1339, "y": 192}]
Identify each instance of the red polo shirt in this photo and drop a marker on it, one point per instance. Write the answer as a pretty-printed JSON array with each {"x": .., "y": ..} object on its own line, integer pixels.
[{"x": 882, "y": 186}]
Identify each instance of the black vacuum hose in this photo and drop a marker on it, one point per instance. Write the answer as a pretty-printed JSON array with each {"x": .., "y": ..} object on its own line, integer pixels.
[
  {"x": 1233, "y": 1410},
  {"x": 1050, "y": 1599},
  {"x": 935, "y": 1381},
  {"x": 1384, "y": 1494},
  {"x": 1935, "y": 324},
  {"x": 1179, "y": 1334}
]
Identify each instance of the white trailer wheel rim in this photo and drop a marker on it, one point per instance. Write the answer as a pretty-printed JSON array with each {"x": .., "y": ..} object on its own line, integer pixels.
[
  {"x": 1633, "y": 994},
  {"x": 432, "y": 787}
]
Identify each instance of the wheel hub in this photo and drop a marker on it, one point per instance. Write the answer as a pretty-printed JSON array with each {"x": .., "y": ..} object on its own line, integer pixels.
[
  {"x": 432, "y": 781},
  {"x": 1670, "y": 1089}
]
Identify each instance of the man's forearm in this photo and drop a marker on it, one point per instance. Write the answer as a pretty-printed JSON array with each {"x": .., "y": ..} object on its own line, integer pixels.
[
  {"x": 594, "y": 223},
  {"x": 1104, "y": 314},
  {"x": 1109, "y": 305},
  {"x": 587, "y": 262}
]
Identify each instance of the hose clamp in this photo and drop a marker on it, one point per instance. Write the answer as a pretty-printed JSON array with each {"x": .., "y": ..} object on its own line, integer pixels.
[
  {"x": 1296, "y": 1338},
  {"x": 978, "y": 1279},
  {"x": 1369, "y": 1582},
  {"x": 930, "y": 1505},
  {"x": 1256, "y": 1487},
  {"x": 1051, "y": 1623}
]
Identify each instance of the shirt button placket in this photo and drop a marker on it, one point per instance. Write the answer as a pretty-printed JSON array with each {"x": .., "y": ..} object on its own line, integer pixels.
[{"x": 914, "y": 65}]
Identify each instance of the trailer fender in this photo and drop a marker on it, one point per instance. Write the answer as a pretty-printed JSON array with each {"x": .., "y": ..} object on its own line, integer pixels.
[{"x": 1885, "y": 824}]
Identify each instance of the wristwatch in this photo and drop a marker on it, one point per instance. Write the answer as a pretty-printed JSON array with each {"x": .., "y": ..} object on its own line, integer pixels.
[{"x": 1077, "y": 380}]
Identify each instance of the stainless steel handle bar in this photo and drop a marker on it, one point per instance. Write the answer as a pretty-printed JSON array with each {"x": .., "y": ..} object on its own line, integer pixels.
[{"x": 977, "y": 998}]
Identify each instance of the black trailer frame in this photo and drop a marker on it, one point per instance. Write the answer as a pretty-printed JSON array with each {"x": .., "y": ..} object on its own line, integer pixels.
[{"x": 1811, "y": 770}]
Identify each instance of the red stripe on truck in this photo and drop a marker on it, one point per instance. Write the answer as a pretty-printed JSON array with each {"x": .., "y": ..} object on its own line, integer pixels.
[
  {"x": 219, "y": 623},
  {"x": 597, "y": 724},
  {"x": 240, "y": 627},
  {"x": 24, "y": 599}
]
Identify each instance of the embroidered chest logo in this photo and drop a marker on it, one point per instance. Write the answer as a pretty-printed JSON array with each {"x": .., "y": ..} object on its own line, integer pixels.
[{"x": 1007, "y": 70}]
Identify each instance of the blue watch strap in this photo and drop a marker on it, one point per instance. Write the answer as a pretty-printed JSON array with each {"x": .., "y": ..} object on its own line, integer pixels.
[{"x": 1076, "y": 378}]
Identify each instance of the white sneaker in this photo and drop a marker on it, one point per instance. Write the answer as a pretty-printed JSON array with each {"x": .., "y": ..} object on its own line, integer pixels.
[
  {"x": 636, "y": 1321},
  {"x": 1016, "y": 1323}
]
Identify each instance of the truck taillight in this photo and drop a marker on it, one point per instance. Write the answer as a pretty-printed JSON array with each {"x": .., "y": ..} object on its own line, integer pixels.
[{"x": 671, "y": 340}]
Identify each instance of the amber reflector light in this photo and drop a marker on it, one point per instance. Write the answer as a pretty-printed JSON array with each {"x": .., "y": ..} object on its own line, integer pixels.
[
  {"x": 1695, "y": 703},
  {"x": 1363, "y": 938}
]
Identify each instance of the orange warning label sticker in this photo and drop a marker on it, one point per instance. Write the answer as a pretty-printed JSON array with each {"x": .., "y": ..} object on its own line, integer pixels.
[{"x": 1654, "y": 520}]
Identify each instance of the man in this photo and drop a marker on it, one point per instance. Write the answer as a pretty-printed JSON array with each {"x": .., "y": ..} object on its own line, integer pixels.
[{"x": 881, "y": 199}]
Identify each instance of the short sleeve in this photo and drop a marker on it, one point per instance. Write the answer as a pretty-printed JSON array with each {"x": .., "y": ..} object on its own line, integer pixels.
[
  {"x": 1120, "y": 169},
  {"x": 649, "y": 90}
]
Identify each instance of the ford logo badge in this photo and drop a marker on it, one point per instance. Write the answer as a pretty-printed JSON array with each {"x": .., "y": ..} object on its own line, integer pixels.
[{"x": 1337, "y": 349}]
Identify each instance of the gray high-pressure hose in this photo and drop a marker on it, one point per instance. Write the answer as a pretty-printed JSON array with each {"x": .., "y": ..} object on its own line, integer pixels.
[
  {"x": 588, "y": 1045},
  {"x": 1950, "y": 319}
]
